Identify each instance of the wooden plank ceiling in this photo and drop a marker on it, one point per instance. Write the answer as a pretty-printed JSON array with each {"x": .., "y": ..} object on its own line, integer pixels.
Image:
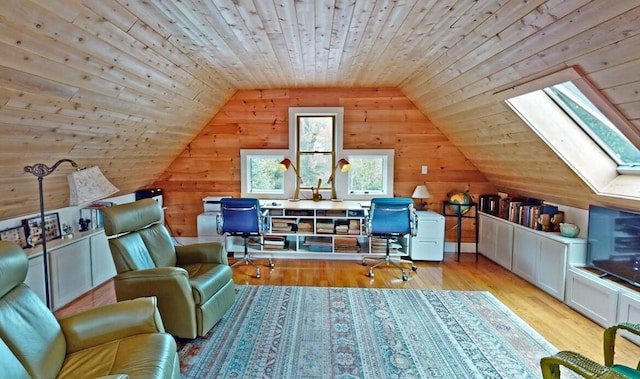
[{"x": 128, "y": 84}]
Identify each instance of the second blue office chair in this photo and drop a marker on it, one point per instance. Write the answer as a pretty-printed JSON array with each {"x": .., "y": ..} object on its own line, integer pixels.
[
  {"x": 244, "y": 218},
  {"x": 391, "y": 218}
]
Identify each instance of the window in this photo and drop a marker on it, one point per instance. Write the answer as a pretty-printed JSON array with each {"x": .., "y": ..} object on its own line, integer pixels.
[
  {"x": 370, "y": 173},
  {"x": 598, "y": 126},
  {"x": 583, "y": 129},
  {"x": 315, "y": 147},
  {"x": 260, "y": 174}
]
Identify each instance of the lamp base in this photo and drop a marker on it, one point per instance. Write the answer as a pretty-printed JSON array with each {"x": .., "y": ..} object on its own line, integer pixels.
[
  {"x": 293, "y": 200},
  {"x": 337, "y": 200}
]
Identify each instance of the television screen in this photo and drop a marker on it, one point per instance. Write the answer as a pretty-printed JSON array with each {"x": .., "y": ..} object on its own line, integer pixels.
[{"x": 613, "y": 241}]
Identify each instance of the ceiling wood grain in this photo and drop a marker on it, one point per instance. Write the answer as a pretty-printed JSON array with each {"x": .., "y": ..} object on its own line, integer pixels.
[{"x": 129, "y": 84}]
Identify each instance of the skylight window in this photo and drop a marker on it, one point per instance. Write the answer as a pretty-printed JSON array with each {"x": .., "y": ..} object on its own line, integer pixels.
[
  {"x": 586, "y": 131},
  {"x": 594, "y": 123}
]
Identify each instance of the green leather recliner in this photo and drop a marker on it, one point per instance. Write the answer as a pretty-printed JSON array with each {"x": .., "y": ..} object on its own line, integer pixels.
[
  {"x": 122, "y": 340},
  {"x": 193, "y": 283}
]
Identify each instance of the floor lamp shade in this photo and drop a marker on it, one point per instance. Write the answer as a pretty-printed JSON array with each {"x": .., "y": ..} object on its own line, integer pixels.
[
  {"x": 89, "y": 185},
  {"x": 85, "y": 186}
]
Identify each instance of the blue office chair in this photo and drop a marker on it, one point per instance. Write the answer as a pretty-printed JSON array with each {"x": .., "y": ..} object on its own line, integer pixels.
[
  {"x": 390, "y": 218},
  {"x": 242, "y": 217}
]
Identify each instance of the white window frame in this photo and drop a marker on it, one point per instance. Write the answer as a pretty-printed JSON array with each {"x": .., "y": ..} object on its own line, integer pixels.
[
  {"x": 567, "y": 139},
  {"x": 245, "y": 155},
  {"x": 342, "y": 181},
  {"x": 294, "y": 113}
]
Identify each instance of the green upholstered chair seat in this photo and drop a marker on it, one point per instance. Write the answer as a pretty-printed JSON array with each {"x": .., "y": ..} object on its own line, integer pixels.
[
  {"x": 137, "y": 355},
  {"x": 626, "y": 371}
]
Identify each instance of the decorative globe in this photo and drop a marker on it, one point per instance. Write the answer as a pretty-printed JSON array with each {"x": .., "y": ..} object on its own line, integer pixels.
[{"x": 460, "y": 198}]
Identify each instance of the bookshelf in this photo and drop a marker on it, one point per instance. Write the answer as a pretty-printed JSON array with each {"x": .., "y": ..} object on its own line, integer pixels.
[{"x": 316, "y": 229}]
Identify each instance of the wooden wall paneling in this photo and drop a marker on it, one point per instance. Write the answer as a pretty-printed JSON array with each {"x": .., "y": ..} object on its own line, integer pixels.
[{"x": 216, "y": 150}]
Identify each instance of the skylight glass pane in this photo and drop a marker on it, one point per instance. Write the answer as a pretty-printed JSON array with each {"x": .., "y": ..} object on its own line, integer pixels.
[{"x": 594, "y": 123}]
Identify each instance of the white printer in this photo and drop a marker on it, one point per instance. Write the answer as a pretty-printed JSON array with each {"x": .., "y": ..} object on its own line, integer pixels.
[{"x": 207, "y": 221}]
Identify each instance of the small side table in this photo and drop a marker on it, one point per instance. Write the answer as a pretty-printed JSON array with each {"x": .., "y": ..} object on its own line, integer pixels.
[{"x": 449, "y": 210}]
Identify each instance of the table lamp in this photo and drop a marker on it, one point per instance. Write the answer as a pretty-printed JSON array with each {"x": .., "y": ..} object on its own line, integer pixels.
[
  {"x": 284, "y": 166},
  {"x": 421, "y": 192},
  {"x": 344, "y": 166}
]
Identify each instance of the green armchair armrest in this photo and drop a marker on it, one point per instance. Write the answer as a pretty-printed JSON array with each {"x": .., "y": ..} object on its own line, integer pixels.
[
  {"x": 111, "y": 322},
  {"x": 208, "y": 252},
  {"x": 588, "y": 368},
  {"x": 577, "y": 363}
]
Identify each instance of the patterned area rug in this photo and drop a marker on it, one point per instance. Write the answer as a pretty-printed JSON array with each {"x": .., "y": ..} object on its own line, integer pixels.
[{"x": 314, "y": 332}]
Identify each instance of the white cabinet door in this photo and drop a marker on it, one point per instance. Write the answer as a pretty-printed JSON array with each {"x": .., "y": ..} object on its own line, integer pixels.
[
  {"x": 35, "y": 276},
  {"x": 629, "y": 311},
  {"x": 102, "y": 266},
  {"x": 550, "y": 273},
  {"x": 69, "y": 272},
  {"x": 487, "y": 236},
  {"x": 503, "y": 254},
  {"x": 495, "y": 240},
  {"x": 593, "y": 297},
  {"x": 525, "y": 254}
]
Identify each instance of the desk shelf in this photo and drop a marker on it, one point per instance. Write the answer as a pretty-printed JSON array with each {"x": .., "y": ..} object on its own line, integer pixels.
[{"x": 315, "y": 229}]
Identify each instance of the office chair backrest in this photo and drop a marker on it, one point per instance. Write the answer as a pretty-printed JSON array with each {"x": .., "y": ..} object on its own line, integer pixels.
[
  {"x": 240, "y": 215},
  {"x": 390, "y": 216}
]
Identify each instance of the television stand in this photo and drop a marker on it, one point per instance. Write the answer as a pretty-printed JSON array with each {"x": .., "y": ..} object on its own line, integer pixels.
[{"x": 603, "y": 298}]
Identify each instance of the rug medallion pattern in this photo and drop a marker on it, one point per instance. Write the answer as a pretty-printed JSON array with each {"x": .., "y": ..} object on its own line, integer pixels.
[{"x": 320, "y": 332}]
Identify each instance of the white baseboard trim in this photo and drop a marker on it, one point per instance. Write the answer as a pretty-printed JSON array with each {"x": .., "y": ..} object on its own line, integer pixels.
[{"x": 465, "y": 247}]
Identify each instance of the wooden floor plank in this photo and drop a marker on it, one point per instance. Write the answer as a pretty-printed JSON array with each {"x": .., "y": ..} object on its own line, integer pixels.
[{"x": 559, "y": 324}]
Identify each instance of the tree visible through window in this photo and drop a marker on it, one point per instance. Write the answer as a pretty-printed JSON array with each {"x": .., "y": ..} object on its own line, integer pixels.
[
  {"x": 594, "y": 123},
  {"x": 316, "y": 150}
]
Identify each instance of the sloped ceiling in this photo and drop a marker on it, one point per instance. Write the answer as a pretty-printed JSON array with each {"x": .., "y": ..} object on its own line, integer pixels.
[{"x": 127, "y": 84}]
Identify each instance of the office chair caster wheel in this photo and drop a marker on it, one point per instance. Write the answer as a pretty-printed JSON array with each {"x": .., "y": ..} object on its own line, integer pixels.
[
  {"x": 371, "y": 273},
  {"x": 405, "y": 277},
  {"x": 258, "y": 274},
  {"x": 414, "y": 268},
  {"x": 364, "y": 263},
  {"x": 271, "y": 264}
]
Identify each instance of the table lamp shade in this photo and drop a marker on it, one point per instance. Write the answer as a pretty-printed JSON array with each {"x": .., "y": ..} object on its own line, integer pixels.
[
  {"x": 89, "y": 185},
  {"x": 421, "y": 192}
]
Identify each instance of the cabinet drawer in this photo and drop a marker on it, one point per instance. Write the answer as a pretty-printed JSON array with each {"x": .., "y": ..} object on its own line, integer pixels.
[{"x": 430, "y": 228}]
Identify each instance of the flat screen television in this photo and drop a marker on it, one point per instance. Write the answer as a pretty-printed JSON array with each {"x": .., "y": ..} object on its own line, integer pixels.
[{"x": 613, "y": 242}]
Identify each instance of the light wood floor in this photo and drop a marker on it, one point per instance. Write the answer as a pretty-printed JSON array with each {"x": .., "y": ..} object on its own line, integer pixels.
[{"x": 559, "y": 324}]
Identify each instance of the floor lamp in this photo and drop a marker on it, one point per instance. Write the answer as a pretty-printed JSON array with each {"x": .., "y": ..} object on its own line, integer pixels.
[{"x": 85, "y": 186}]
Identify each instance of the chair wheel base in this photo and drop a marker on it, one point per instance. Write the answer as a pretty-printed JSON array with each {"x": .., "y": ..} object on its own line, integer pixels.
[
  {"x": 371, "y": 274},
  {"x": 414, "y": 268}
]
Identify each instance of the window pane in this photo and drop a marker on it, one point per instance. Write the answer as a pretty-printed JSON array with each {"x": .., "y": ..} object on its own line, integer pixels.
[
  {"x": 264, "y": 175},
  {"x": 367, "y": 175},
  {"x": 314, "y": 167},
  {"x": 594, "y": 123},
  {"x": 316, "y": 133}
]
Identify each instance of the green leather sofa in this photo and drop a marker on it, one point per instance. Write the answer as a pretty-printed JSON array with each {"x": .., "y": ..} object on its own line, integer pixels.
[
  {"x": 193, "y": 283},
  {"x": 121, "y": 340}
]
